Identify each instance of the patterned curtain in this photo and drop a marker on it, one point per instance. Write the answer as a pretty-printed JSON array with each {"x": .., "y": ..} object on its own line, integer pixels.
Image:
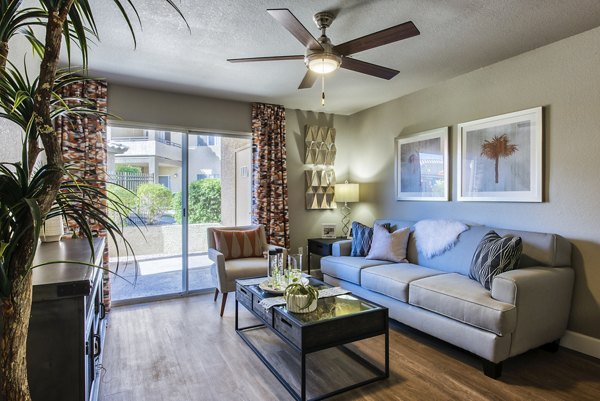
[
  {"x": 84, "y": 147},
  {"x": 269, "y": 183}
]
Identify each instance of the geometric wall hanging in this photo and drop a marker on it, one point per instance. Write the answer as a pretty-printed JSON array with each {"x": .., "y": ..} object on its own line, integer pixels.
[
  {"x": 320, "y": 154},
  {"x": 320, "y": 145},
  {"x": 320, "y": 189}
]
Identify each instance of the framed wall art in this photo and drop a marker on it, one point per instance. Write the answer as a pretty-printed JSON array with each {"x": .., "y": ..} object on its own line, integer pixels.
[
  {"x": 500, "y": 158},
  {"x": 422, "y": 166},
  {"x": 327, "y": 230}
]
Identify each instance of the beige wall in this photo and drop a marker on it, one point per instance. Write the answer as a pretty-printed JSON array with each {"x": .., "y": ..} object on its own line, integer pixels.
[
  {"x": 177, "y": 110},
  {"x": 307, "y": 223},
  {"x": 10, "y": 138},
  {"x": 564, "y": 77},
  {"x": 10, "y": 133}
]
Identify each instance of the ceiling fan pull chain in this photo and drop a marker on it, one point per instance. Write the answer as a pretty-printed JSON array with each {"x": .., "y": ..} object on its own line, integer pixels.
[{"x": 323, "y": 90}]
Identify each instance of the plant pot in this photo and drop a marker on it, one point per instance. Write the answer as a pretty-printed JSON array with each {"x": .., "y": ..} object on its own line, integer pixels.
[{"x": 294, "y": 303}]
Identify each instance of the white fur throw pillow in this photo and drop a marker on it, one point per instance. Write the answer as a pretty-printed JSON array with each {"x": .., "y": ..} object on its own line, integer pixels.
[{"x": 389, "y": 246}]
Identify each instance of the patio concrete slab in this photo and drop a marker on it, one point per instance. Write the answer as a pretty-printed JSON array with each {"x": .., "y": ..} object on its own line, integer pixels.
[{"x": 159, "y": 276}]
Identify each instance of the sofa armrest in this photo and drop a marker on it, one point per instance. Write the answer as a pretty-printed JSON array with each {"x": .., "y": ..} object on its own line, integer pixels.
[
  {"x": 542, "y": 296},
  {"x": 341, "y": 248}
]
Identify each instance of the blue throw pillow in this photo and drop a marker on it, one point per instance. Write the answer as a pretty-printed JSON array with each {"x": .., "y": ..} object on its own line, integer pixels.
[
  {"x": 362, "y": 236},
  {"x": 361, "y": 239}
]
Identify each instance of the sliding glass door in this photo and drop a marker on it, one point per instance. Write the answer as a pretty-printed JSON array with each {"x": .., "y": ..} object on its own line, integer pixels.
[
  {"x": 177, "y": 184},
  {"x": 216, "y": 194}
]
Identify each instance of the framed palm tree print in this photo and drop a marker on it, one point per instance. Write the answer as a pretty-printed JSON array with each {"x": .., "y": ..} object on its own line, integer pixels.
[{"x": 500, "y": 158}]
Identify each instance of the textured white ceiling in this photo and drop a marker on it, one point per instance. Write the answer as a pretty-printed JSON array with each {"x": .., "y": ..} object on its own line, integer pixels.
[{"x": 457, "y": 36}]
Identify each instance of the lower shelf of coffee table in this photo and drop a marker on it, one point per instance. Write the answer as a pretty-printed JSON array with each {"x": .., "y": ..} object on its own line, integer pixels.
[{"x": 322, "y": 374}]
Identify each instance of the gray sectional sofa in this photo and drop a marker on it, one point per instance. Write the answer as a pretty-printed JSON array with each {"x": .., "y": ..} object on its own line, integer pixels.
[{"x": 526, "y": 308}]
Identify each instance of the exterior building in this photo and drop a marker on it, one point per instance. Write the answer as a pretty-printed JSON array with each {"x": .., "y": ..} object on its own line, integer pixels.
[{"x": 158, "y": 155}]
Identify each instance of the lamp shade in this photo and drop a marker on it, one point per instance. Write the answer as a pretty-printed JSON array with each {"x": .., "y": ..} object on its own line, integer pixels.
[{"x": 346, "y": 192}]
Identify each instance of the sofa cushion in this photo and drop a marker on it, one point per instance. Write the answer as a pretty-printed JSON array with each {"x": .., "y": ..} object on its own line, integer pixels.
[
  {"x": 460, "y": 298},
  {"x": 389, "y": 246},
  {"x": 393, "y": 279},
  {"x": 347, "y": 267},
  {"x": 495, "y": 255}
]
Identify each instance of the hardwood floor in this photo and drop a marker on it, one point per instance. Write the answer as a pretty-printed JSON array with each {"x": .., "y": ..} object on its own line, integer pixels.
[{"x": 182, "y": 350}]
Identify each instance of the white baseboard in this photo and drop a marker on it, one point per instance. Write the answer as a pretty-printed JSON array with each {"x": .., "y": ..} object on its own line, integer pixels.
[{"x": 581, "y": 343}]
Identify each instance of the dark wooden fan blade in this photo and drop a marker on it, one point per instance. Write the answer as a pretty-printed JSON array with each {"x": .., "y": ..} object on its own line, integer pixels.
[
  {"x": 295, "y": 27},
  {"x": 393, "y": 34},
  {"x": 309, "y": 79},
  {"x": 368, "y": 68},
  {"x": 272, "y": 58}
]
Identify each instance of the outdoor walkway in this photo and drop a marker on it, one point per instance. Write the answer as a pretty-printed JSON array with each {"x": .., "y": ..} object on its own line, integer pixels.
[{"x": 159, "y": 276}]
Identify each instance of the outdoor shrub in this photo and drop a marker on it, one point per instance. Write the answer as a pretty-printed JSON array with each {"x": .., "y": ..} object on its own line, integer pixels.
[
  {"x": 127, "y": 198},
  {"x": 204, "y": 202},
  {"x": 154, "y": 201},
  {"x": 121, "y": 168}
]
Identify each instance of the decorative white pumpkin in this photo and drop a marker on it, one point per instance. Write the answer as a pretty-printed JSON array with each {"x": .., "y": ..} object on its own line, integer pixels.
[{"x": 295, "y": 303}]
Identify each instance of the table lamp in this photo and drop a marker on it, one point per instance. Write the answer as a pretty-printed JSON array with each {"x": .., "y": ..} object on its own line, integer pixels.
[{"x": 346, "y": 193}]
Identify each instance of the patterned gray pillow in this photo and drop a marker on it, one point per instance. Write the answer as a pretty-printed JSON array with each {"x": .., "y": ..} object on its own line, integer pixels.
[
  {"x": 495, "y": 255},
  {"x": 362, "y": 236}
]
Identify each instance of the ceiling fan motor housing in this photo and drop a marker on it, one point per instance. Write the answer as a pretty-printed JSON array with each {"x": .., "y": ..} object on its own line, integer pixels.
[
  {"x": 323, "y": 19},
  {"x": 327, "y": 58}
]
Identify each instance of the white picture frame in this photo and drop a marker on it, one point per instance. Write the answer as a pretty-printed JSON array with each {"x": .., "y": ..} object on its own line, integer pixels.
[
  {"x": 500, "y": 158},
  {"x": 328, "y": 230},
  {"x": 422, "y": 166}
]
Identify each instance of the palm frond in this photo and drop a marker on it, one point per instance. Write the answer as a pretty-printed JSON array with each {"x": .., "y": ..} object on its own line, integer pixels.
[
  {"x": 78, "y": 199},
  {"x": 13, "y": 18},
  {"x": 17, "y": 98}
]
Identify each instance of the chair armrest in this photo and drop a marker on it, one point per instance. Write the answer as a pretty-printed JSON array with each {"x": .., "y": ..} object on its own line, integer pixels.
[
  {"x": 542, "y": 296},
  {"x": 341, "y": 248},
  {"x": 219, "y": 268},
  {"x": 215, "y": 255}
]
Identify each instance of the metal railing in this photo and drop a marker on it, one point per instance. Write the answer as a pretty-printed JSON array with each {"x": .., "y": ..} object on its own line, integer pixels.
[
  {"x": 144, "y": 139},
  {"x": 131, "y": 181}
]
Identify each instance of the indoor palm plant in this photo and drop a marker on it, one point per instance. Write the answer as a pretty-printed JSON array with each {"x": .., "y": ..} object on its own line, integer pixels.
[{"x": 30, "y": 190}]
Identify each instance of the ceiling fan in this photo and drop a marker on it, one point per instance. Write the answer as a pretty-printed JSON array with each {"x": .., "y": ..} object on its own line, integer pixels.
[{"x": 322, "y": 57}]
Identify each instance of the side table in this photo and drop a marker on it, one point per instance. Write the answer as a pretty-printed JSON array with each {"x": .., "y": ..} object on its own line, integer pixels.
[{"x": 321, "y": 247}]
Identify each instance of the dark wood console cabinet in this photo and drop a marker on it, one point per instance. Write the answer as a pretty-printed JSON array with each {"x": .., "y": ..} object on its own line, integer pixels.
[{"x": 67, "y": 326}]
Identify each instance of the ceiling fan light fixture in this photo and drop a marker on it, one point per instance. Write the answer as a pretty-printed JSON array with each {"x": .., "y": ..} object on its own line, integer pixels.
[{"x": 323, "y": 63}]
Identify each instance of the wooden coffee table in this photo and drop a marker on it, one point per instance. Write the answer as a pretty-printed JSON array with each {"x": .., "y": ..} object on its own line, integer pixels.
[{"x": 337, "y": 321}]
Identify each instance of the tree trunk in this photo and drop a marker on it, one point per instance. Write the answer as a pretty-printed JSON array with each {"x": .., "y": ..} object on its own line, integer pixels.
[
  {"x": 42, "y": 99},
  {"x": 497, "y": 162},
  {"x": 13, "y": 343},
  {"x": 16, "y": 309},
  {"x": 3, "y": 55}
]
